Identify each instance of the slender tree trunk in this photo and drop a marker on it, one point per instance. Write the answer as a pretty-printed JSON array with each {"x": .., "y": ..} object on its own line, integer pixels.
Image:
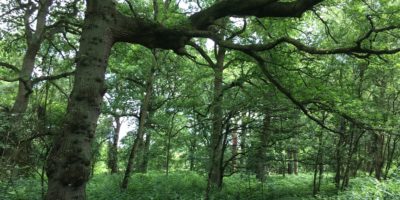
[
  {"x": 262, "y": 148},
  {"x": 16, "y": 153},
  {"x": 142, "y": 122},
  {"x": 146, "y": 150},
  {"x": 242, "y": 144},
  {"x": 290, "y": 162},
  {"x": 318, "y": 168},
  {"x": 283, "y": 165},
  {"x": 68, "y": 165},
  {"x": 34, "y": 40},
  {"x": 168, "y": 152},
  {"x": 390, "y": 156},
  {"x": 215, "y": 174},
  {"x": 295, "y": 162},
  {"x": 113, "y": 151},
  {"x": 349, "y": 160},
  {"x": 379, "y": 159},
  {"x": 234, "y": 149},
  {"x": 338, "y": 155}
]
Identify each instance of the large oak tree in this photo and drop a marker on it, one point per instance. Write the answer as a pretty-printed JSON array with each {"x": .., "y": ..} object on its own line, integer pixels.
[{"x": 68, "y": 165}]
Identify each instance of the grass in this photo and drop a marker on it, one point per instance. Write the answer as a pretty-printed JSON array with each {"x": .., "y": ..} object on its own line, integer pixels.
[{"x": 191, "y": 186}]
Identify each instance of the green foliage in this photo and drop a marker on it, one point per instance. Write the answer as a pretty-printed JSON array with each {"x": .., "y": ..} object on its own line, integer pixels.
[
  {"x": 154, "y": 185},
  {"x": 190, "y": 185},
  {"x": 21, "y": 189},
  {"x": 370, "y": 188}
]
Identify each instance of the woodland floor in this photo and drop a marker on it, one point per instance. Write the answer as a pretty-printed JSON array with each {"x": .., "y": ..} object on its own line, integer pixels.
[{"x": 191, "y": 186}]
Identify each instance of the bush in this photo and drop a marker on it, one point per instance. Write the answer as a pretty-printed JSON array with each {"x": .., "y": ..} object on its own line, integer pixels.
[{"x": 192, "y": 186}]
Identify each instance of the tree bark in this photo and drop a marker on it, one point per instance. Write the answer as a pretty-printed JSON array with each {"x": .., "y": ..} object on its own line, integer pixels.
[
  {"x": 338, "y": 155},
  {"x": 379, "y": 159},
  {"x": 295, "y": 162},
  {"x": 68, "y": 165},
  {"x": 290, "y": 162},
  {"x": 262, "y": 148},
  {"x": 33, "y": 40},
  {"x": 142, "y": 124},
  {"x": 390, "y": 155},
  {"x": 145, "y": 159},
  {"x": 234, "y": 149},
  {"x": 113, "y": 149},
  {"x": 215, "y": 174},
  {"x": 168, "y": 150}
]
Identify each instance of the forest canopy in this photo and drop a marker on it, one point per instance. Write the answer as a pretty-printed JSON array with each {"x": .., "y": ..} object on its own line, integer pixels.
[{"x": 203, "y": 99}]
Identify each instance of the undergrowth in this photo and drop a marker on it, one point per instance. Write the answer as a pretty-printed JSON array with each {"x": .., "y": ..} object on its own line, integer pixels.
[{"x": 191, "y": 186}]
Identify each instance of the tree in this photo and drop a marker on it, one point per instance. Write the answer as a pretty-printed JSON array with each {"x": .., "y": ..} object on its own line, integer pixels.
[{"x": 69, "y": 161}]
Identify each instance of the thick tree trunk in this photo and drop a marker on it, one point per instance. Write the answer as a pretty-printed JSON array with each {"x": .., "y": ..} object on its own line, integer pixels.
[
  {"x": 142, "y": 124},
  {"x": 68, "y": 165},
  {"x": 113, "y": 151}
]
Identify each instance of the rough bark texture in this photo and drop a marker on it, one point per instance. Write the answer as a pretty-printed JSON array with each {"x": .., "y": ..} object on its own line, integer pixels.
[{"x": 68, "y": 165}]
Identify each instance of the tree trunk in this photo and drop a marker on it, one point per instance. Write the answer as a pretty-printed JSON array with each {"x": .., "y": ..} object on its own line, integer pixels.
[
  {"x": 390, "y": 155},
  {"x": 234, "y": 149},
  {"x": 68, "y": 165},
  {"x": 34, "y": 41},
  {"x": 318, "y": 168},
  {"x": 215, "y": 174},
  {"x": 379, "y": 159},
  {"x": 145, "y": 159},
  {"x": 262, "y": 148},
  {"x": 142, "y": 124},
  {"x": 242, "y": 144},
  {"x": 295, "y": 162},
  {"x": 290, "y": 162},
  {"x": 168, "y": 156},
  {"x": 113, "y": 151},
  {"x": 338, "y": 155}
]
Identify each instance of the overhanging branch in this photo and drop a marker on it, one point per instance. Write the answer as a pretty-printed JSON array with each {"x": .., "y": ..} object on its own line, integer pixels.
[{"x": 9, "y": 66}]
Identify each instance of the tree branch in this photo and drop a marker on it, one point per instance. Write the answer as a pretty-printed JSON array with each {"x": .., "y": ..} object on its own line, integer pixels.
[
  {"x": 355, "y": 49},
  {"x": 9, "y": 66},
  {"x": 258, "y": 8},
  {"x": 52, "y": 77}
]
